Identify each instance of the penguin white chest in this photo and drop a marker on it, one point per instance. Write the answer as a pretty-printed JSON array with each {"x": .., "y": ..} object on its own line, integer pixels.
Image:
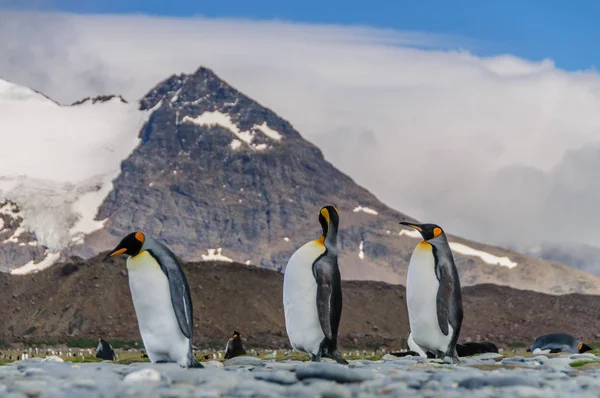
[
  {"x": 421, "y": 299},
  {"x": 300, "y": 300},
  {"x": 157, "y": 321}
]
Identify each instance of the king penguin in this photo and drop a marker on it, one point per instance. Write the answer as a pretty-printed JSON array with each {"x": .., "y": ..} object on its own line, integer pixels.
[
  {"x": 104, "y": 351},
  {"x": 558, "y": 342},
  {"x": 161, "y": 299},
  {"x": 433, "y": 294},
  {"x": 235, "y": 346},
  {"x": 312, "y": 293}
]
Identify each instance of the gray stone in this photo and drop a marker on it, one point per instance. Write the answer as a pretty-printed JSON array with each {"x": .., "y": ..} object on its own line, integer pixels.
[
  {"x": 213, "y": 364},
  {"x": 332, "y": 372},
  {"x": 497, "y": 381},
  {"x": 489, "y": 355},
  {"x": 244, "y": 360},
  {"x": 52, "y": 358},
  {"x": 279, "y": 377}
]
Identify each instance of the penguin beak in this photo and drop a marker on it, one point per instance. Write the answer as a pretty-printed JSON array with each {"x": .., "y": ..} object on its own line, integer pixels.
[
  {"x": 415, "y": 226},
  {"x": 115, "y": 252}
]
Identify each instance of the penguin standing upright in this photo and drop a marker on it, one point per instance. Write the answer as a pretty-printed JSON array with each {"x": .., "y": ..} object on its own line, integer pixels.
[
  {"x": 105, "y": 351},
  {"x": 433, "y": 294},
  {"x": 312, "y": 293},
  {"x": 235, "y": 346},
  {"x": 161, "y": 298}
]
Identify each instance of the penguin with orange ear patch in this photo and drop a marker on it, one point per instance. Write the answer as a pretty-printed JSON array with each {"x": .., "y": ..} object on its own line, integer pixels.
[
  {"x": 433, "y": 294},
  {"x": 312, "y": 293},
  {"x": 235, "y": 346},
  {"x": 161, "y": 299}
]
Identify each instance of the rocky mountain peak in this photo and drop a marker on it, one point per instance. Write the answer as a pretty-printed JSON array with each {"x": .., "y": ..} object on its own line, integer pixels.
[{"x": 99, "y": 99}]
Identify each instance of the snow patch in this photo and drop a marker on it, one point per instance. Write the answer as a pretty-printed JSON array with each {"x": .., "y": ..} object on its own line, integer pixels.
[
  {"x": 268, "y": 131},
  {"x": 215, "y": 255},
  {"x": 216, "y": 118},
  {"x": 361, "y": 253},
  {"x": 235, "y": 144},
  {"x": 365, "y": 210},
  {"x": 14, "y": 238},
  {"x": 286, "y": 239},
  {"x": 78, "y": 152},
  {"x": 468, "y": 251},
  {"x": 411, "y": 233},
  {"x": 484, "y": 256},
  {"x": 32, "y": 267},
  {"x": 260, "y": 147}
]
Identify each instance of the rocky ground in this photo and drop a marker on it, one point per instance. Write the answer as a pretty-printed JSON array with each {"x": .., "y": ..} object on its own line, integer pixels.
[{"x": 487, "y": 375}]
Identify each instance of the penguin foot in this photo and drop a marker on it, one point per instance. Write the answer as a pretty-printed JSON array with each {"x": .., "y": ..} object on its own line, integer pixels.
[
  {"x": 315, "y": 358},
  {"x": 338, "y": 358},
  {"x": 451, "y": 360},
  {"x": 196, "y": 365}
]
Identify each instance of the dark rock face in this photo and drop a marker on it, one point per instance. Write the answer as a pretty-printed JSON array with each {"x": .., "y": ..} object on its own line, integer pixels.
[
  {"x": 189, "y": 186},
  {"x": 99, "y": 98},
  {"x": 17, "y": 246}
]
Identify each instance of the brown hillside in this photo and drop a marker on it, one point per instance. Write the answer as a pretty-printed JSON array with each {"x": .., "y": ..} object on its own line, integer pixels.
[{"x": 87, "y": 300}]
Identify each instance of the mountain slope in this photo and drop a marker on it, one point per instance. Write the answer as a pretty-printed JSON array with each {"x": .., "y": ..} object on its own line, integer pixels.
[
  {"x": 215, "y": 175},
  {"x": 91, "y": 299}
]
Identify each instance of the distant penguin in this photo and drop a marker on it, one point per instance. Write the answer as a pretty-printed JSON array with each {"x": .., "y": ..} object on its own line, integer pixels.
[
  {"x": 433, "y": 294},
  {"x": 312, "y": 293},
  {"x": 105, "y": 351},
  {"x": 161, "y": 298},
  {"x": 472, "y": 348},
  {"x": 558, "y": 342},
  {"x": 235, "y": 346}
]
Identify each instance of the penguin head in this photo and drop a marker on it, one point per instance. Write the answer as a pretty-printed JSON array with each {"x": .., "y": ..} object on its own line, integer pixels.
[
  {"x": 428, "y": 231},
  {"x": 131, "y": 245},
  {"x": 236, "y": 335},
  {"x": 329, "y": 219},
  {"x": 583, "y": 348}
]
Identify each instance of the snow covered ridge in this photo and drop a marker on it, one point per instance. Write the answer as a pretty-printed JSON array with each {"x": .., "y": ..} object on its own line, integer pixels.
[
  {"x": 469, "y": 251},
  {"x": 32, "y": 267},
  {"x": 485, "y": 256},
  {"x": 217, "y": 118},
  {"x": 62, "y": 161},
  {"x": 215, "y": 255},
  {"x": 365, "y": 210}
]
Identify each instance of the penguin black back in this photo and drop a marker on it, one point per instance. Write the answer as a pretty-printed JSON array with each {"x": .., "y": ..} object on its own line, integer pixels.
[
  {"x": 235, "y": 346},
  {"x": 104, "y": 351}
]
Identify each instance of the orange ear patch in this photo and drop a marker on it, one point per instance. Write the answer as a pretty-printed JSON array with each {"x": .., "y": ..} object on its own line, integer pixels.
[
  {"x": 579, "y": 348},
  {"x": 140, "y": 236},
  {"x": 437, "y": 232},
  {"x": 321, "y": 241},
  {"x": 325, "y": 214}
]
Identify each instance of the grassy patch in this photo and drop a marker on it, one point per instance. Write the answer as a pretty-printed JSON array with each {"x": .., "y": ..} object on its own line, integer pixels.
[
  {"x": 583, "y": 362},
  {"x": 82, "y": 360}
]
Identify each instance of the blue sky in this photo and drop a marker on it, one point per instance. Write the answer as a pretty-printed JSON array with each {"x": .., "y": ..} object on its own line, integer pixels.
[{"x": 565, "y": 31}]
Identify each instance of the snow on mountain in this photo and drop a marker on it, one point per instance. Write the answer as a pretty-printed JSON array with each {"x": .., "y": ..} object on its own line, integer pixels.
[
  {"x": 461, "y": 248},
  {"x": 223, "y": 120},
  {"x": 60, "y": 161}
]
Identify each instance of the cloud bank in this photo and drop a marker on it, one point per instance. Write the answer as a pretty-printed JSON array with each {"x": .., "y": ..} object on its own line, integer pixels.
[{"x": 500, "y": 150}]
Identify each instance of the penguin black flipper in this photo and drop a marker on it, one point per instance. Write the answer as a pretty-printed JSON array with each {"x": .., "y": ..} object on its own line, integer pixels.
[
  {"x": 448, "y": 299},
  {"x": 180, "y": 291},
  {"x": 323, "y": 272}
]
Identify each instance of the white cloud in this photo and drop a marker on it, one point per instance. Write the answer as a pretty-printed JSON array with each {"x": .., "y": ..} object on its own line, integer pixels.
[{"x": 497, "y": 149}]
